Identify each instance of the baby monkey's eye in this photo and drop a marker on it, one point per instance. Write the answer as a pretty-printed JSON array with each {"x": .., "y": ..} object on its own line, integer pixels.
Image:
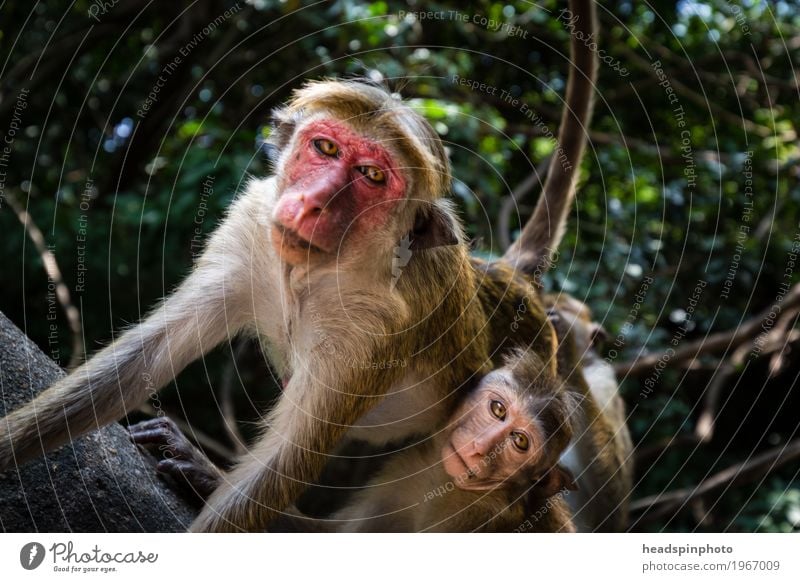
[
  {"x": 520, "y": 440},
  {"x": 498, "y": 409},
  {"x": 373, "y": 174},
  {"x": 326, "y": 147}
]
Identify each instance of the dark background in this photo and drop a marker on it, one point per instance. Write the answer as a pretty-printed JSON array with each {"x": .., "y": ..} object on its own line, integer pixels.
[{"x": 707, "y": 194}]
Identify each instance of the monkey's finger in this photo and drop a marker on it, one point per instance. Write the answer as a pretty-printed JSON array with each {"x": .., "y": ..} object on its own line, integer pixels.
[
  {"x": 177, "y": 468},
  {"x": 191, "y": 473},
  {"x": 161, "y": 422},
  {"x": 154, "y": 437},
  {"x": 163, "y": 426},
  {"x": 153, "y": 422}
]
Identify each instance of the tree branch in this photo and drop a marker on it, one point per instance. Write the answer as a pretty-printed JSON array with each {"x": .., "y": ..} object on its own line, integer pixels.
[
  {"x": 715, "y": 343},
  {"x": 54, "y": 274},
  {"x": 656, "y": 506}
]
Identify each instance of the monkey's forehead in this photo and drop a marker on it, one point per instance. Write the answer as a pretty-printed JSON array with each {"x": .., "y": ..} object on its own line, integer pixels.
[
  {"x": 527, "y": 388},
  {"x": 501, "y": 383},
  {"x": 501, "y": 378}
]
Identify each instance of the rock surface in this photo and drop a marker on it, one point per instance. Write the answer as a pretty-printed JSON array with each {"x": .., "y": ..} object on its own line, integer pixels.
[{"x": 99, "y": 483}]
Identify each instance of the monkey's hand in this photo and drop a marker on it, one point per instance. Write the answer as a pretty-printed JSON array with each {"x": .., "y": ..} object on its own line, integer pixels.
[{"x": 186, "y": 464}]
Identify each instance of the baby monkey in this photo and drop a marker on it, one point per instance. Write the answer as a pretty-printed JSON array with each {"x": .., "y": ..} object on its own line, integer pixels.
[{"x": 491, "y": 468}]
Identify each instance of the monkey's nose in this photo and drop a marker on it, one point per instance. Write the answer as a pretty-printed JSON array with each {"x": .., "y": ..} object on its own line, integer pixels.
[
  {"x": 311, "y": 207},
  {"x": 318, "y": 193},
  {"x": 488, "y": 441}
]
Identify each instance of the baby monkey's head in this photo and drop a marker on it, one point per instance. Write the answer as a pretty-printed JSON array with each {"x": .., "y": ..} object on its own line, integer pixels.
[{"x": 511, "y": 429}]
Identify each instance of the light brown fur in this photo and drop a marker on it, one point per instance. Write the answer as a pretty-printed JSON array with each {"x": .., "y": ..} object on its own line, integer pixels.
[{"x": 413, "y": 493}]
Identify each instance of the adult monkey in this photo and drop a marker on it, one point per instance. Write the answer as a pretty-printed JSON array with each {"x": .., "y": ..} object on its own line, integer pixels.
[
  {"x": 601, "y": 454},
  {"x": 306, "y": 256}
]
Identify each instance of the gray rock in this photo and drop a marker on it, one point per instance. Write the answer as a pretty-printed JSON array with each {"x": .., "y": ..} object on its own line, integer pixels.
[{"x": 99, "y": 483}]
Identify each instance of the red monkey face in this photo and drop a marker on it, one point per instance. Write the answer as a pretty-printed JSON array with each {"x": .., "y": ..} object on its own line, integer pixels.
[
  {"x": 337, "y": 186},
  {"x": 495, "y": 436}
]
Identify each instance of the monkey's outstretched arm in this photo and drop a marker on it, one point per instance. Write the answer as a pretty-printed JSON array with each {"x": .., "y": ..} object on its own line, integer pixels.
[
  {"x": 208, "y": 307},
  {"x": 312, "y": 416}
]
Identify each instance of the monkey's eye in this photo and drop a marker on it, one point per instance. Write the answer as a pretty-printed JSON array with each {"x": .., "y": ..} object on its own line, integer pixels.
[
  {"x": 520, "y": 440},
  {"x": 326, "y": 147},
  {"x": 373, "y": 174},
  {"x": 498, "y": 409}
]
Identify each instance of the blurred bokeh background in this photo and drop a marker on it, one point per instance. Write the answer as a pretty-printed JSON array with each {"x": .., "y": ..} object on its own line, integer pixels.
[{"x": 128, "y": 127}]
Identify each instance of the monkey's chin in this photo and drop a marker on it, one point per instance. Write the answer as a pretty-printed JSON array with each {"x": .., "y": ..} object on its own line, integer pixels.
[{"x": 293, "y": 249}]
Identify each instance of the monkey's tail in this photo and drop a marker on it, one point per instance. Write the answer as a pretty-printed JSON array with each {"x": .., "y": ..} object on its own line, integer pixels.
[{"x": 533, "y": 252}]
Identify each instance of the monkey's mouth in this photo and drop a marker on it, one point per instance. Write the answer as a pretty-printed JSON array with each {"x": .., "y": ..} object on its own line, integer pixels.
[
  {"x": 285, "y": 237},
  {"x": 455, "y": 465},
  {"x": 468, "y": 473}
]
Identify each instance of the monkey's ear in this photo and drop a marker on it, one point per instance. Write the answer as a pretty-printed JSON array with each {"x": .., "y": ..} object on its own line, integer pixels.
[
  {"x": 268, "y": 149},
  {"x": 284, "y": 124},
  {"x": 435, "y": 226},
  {"x": 557, "y": 479},
  {"x": 598, "y": 334}
]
